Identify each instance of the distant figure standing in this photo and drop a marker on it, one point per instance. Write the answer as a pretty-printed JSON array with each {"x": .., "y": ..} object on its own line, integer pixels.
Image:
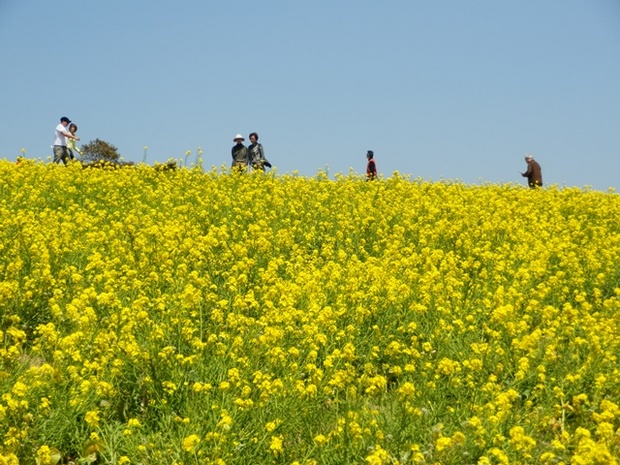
[
  {"x": 239, "y": 154},
  {"x": 533, "y": 173},
  {"x": 71, "y": 142},
  {"x": 61, "y": 153},
  {"x": 256, "y": 154},
  {"x": 371, "y": 167}
]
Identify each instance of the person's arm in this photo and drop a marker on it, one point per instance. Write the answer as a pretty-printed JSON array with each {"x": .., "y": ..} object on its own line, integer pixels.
[
  {"x": 253, "y": 154},
  {"x": 528, "y": 171},
  {"x": 71, "y": 146},
  {"x": 69, "y": 135}
]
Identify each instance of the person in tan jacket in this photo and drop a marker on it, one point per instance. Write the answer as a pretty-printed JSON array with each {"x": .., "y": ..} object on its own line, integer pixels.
[
  {"x": 239, "y": 155},
  {"x": 533, "y": 173}
]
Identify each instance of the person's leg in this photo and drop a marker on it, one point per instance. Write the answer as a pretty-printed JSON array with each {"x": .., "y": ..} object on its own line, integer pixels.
[{"x": 58, "y": 153}]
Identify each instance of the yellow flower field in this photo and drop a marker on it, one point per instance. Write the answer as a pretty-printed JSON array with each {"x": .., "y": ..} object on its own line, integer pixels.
[{"x": 183, "y": 317}]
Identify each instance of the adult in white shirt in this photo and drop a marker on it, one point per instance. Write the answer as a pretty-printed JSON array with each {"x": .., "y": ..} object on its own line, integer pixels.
[{"x": 61, "y": 153}]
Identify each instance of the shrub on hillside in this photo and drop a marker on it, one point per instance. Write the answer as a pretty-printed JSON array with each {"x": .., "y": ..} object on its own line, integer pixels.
[{"x": 99, "y": 150}]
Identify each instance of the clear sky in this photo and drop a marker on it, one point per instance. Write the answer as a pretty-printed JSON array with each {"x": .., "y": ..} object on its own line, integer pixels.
[{"x": 441, "y": 89}]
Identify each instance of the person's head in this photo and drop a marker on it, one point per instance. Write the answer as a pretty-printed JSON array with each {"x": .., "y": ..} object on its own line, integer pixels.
[
  {"x": 72, "y": 128},
  {"x": 370, "y": 154},
  {"x": 238, "y": 139},
  {"x": 64, "y": 121},
  {"x": 254, "y": 137},
  {"x": 529, "y": 158}
]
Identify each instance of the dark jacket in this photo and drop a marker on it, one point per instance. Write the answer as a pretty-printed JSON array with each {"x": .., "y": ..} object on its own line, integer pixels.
[
  {"x": 239, "y": 155},
  {"x": 371, "y": 170},
  {"x": 533, "y": 174}
]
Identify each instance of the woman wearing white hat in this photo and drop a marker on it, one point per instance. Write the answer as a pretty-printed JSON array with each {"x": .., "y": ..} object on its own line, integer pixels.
[{"x": 239, "y": 154}]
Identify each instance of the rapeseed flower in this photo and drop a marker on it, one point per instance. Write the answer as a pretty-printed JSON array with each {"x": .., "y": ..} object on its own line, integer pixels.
[
  {"x": 361, "y": 315},
  {"x": 190, "y": 443},
  {"x": 275, "y": 445}
]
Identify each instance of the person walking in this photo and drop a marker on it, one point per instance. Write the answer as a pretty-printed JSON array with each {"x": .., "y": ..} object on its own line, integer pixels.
[
  {"x": 71, "y": 142},
  {"x": 239, "y": 154},
  {"x": 256, "y": 154},
  {"x": 533, "y": 173},
  {"x": 371, "y": 167},
  {"x": 61, "y": 153}
]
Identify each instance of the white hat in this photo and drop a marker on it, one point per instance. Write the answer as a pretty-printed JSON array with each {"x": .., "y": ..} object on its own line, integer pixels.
[{"x": 238, "y": 136}]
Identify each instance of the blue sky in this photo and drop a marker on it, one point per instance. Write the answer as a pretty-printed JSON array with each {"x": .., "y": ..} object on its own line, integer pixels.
[{"x": 442, "y": 89}]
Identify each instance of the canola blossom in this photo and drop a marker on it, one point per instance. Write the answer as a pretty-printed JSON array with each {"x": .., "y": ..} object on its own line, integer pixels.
[{"x": 183, "y": 317}]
